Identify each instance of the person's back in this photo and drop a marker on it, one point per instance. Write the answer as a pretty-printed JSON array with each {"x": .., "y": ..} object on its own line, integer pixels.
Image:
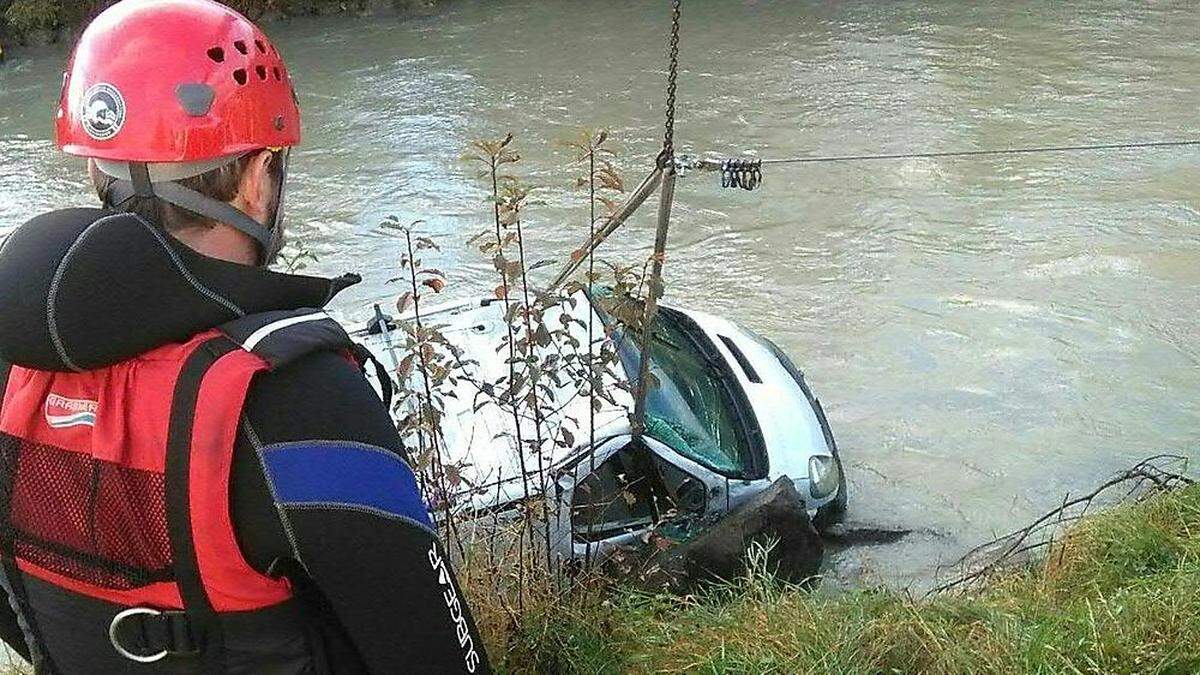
[{"x": 194, "y": 474}]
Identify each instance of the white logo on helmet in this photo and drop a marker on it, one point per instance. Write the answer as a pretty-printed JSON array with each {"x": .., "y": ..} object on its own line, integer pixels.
[{"x": 103, "y": 111}]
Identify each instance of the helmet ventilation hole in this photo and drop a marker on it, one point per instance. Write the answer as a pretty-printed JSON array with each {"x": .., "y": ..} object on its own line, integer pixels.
[
  {"x": 241, "y": 47},
  {"x": 239, "y": 76},
  {"x": 262, "y": 49},
  {"x": 261, "y": 71},
  {"x": 217, "y": 54},
  {"x": 276, "y": 71}
]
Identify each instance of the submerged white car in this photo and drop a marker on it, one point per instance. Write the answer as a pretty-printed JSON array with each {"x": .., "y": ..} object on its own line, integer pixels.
[{"x": 731, "y": 414}]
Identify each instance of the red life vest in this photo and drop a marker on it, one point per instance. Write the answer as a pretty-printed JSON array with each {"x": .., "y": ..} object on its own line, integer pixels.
[{"x": 114, "y": 486}]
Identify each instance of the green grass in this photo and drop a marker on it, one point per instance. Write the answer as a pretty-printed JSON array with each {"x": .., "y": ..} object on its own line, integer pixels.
[{"x": 1120, "y": 594}]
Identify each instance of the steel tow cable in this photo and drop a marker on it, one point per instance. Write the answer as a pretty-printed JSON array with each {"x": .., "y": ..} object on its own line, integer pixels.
[
  {"x": 1132, "y": 145},
  {"x": 666, "y": 162},
  {"x": 746, "y": 172}
]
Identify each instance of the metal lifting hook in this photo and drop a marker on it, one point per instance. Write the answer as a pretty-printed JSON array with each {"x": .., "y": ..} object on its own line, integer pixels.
[{"x": 745, "y": 173}]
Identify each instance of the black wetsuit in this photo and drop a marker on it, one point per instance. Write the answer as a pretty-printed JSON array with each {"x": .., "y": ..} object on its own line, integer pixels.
[{"x": 373, "y": 596}]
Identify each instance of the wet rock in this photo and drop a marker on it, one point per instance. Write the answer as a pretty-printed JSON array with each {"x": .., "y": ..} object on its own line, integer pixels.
[{"x": 719, "y": 552}]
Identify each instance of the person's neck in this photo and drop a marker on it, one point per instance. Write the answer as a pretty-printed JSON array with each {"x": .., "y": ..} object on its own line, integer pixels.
[{"x": 219, "y": 241}]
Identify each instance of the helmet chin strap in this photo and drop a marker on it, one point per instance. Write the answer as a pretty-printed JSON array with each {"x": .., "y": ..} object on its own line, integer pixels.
[
  {"x": 120, "y": 192},
  {"x": 277, "y": 240}
]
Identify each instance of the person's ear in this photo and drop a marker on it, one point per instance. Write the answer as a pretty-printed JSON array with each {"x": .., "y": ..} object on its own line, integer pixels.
[{"x": 255, "y": 191}]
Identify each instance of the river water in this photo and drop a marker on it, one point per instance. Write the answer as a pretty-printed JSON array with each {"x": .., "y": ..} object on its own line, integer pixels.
[{"x": 987, "y": 334}]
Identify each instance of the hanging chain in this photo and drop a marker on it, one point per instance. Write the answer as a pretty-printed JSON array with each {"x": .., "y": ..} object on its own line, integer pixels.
[
  {"x": 661, "y": 501},
  {"x": 667, "y": 157}
]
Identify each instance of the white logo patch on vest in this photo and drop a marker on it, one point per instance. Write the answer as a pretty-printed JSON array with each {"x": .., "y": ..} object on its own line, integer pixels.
[
  {"x": 103, "y": 111},
  {"x": 63, "y": 412}
]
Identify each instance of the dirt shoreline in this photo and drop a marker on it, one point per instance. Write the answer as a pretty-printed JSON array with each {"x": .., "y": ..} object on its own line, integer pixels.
[{"x": 26, "y": 24}]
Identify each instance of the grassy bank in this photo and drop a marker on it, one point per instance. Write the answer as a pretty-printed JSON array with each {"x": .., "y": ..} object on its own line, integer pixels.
[
  {"x": 1119, "y": 594},
  {"x": 41, "y": 21}
]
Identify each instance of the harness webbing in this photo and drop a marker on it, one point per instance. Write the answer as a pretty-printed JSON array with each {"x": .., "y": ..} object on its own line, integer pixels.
[
  {"x": 204, "y": 620},
  {"x": 14, "y": 582}
]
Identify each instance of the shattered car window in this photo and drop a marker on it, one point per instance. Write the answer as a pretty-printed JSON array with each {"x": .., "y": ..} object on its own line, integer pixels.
[
  {"x": 606, "y": 501},
  {"x": 692, "y": 409},
  {"x": 610, "y": 500}
]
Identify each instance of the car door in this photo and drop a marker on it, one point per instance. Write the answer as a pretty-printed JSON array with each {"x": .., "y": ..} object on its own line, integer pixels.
[{"x": 607, "y": 504}]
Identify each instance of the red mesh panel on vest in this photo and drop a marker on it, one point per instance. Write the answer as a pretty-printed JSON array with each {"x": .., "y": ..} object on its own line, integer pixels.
[{"x": 90, "y": 520}]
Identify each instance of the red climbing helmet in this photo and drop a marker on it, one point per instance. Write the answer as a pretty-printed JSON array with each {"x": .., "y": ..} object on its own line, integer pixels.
[
  {"x": 178, "y": 81},
  {"x": 162, "y": 90}
]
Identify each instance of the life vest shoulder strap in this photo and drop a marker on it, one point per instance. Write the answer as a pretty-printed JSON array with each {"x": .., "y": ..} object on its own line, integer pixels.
[
  {"x": 283, "y": 336},
  {"x": 198, "y": 606},
  {"x": 274, "y": 339}
]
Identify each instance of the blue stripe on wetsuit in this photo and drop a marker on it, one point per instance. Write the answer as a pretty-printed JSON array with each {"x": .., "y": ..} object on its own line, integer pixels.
[{"x": 336, "y": 473}]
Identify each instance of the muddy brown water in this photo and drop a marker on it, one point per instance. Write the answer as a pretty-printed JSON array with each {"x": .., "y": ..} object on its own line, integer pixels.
[{"x": 986, "y": 334}]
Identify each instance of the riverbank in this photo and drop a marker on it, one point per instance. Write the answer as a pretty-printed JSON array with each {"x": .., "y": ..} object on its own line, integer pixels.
[
  {"x": 1119, "y": 594},
  {"x": 40, "y": 22}
]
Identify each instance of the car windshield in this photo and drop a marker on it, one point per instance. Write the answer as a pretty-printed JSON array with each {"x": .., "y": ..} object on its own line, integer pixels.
[{"x": 692, "y": 410}]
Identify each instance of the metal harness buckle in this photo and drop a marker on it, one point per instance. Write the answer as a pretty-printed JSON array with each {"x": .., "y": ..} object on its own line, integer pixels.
[{"x": 174, "y": 633}]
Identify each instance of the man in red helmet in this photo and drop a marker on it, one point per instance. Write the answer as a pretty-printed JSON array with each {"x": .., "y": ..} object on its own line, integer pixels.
[{"x": 194, "y": 474}]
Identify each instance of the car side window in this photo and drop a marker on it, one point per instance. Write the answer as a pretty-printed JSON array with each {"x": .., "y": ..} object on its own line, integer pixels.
[
  {"x": 610, "y": 501},
  {"x": 607, "y": 501}
]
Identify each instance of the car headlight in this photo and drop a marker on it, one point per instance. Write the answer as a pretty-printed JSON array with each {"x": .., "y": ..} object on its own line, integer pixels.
[{"x": 823, "y": 476}]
